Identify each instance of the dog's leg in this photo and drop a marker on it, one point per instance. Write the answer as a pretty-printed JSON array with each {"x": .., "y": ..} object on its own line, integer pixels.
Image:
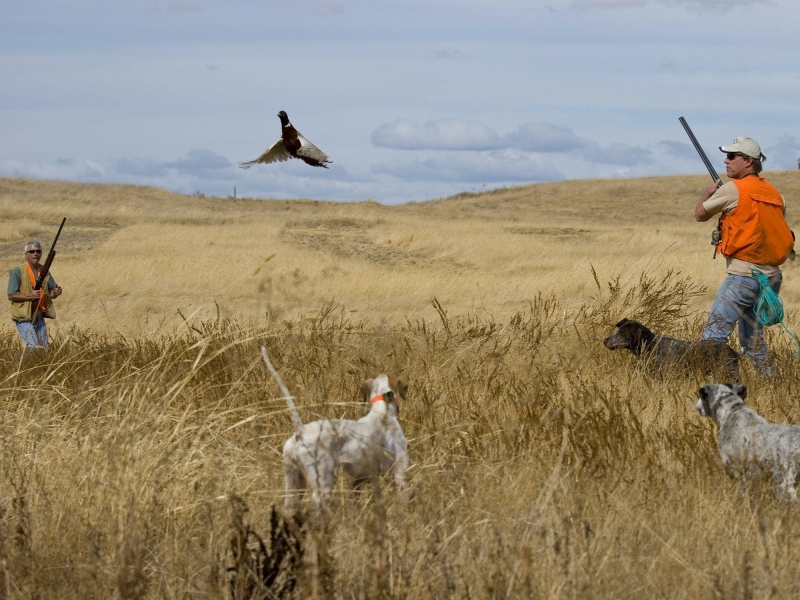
[
  {"x": 312, "y": 478},
  {"x": 793, "y": 477},
  {"x": 321, "y": 475},
  {"x": 732, "y": 369},
  {"x": 789, "y": 484},
  {"x": 400, "y": 467},
  {"x": 319, "y": 468},
  {"x": 780, "y": 485},
  {"x": 327, "y": 475},
  {"x": 295, "y": 483}
]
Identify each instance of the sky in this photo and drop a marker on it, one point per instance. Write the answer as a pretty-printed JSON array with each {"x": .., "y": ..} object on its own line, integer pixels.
[{"x": 411, "y": 99}]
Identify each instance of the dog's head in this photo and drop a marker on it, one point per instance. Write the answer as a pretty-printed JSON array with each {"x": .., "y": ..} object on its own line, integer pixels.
[
  {"x": 388, "y": 388},
  {"x": 631, "y": 335},
  {"x": 715, "y": 396}
]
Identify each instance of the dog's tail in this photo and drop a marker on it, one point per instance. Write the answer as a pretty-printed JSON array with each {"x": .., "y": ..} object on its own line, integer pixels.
[{"x": 298, "y": 424}]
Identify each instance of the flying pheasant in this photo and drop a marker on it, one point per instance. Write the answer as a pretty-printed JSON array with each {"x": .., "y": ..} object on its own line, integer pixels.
[{"x": 292, "y": 144}]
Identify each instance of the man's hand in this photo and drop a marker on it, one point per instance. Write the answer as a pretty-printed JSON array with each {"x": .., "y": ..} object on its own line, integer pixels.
[
  {"x": 20, "y": 297},
  {"x": 56, "y": 292},
  {"x": 712, "y": 189}
]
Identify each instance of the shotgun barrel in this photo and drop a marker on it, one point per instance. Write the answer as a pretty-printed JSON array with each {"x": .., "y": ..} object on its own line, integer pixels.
[
  {"x": 36, "y": 306},
  {"x": 711, "y": 170},
  {"x": 716, "y": 235}
]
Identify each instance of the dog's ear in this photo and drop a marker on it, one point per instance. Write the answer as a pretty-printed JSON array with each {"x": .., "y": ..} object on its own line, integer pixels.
[
  {"x": 366, "y": 390},
  {"x": 644, "y": 331},
  {"x": 703, "y": 405},
  {"x": 740, "y": 390},
  {"x": 634, "y": 333},
  {"x": 621, "y": 323}
]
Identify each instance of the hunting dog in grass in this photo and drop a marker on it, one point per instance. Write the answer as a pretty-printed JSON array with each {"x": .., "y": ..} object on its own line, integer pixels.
[
  {"x": 370, "y": 447},
  {"x": 750, "y": 446},
  {"x": 662, "y": 350}
]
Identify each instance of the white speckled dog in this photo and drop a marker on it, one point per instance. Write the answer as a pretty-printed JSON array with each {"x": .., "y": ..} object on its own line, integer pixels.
[
  {"x": 750, "y": 446},
  {"x": 373, "y": 445}
]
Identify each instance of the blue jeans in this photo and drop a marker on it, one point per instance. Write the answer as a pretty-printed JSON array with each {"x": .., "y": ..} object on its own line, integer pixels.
[
  {"x": 33, "y": 334},
  {"x": 735, "y": 301}
]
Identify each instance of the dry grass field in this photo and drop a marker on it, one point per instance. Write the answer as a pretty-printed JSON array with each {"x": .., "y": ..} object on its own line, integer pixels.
[{"x": 136, "y": 455}]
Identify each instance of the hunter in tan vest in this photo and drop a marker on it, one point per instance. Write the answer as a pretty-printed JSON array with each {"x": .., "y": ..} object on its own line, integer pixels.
[{"x": 25, "y": 300}]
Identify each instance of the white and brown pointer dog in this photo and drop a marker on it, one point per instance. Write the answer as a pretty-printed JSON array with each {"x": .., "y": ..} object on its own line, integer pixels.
[
  {"x": 372, "y": 446},
  {"x": 751, "y": 447},
  {"x": 291, "y": 144}
]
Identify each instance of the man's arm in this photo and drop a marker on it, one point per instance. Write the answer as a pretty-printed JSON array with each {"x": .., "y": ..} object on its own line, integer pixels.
[
  {"x": 13, "y": 289},
  {"x": 24, "y": 297},
  {"x": 700, "y": 212}
]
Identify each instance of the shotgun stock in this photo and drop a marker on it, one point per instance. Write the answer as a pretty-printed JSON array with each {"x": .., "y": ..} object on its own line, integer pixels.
[
  {"x": 716, "y": 235},
  {"x": 36, "y": 307}
]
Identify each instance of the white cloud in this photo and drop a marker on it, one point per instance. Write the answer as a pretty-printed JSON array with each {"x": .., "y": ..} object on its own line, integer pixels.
[
  {"x": 200, "y": 164},
  {"x": 484, "y": 167},
  {"x": 61, "y": 168},
  {"x": 141, "y": 167},
  {"x": 444, "y": 134},
  {"x": 677, "y": 149},
  {"x": 198, "y": 160},
  {"x": 454, "y": 134},
  {"x": 203, "y": 164},
  {"x": 784, "y": 153},
  {"x": 617, "y": 154},
  {"x": 545, "y": 137}
]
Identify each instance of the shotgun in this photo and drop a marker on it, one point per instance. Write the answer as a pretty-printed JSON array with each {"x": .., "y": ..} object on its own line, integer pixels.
[
  {"x": 716, "y": 235},
  {"x": 36, "y": 306}
]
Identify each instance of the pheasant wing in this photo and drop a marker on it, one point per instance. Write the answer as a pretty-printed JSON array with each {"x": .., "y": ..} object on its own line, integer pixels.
[
  {"x": 311, "y": 154},
  {"x": 278, "y": 153}
]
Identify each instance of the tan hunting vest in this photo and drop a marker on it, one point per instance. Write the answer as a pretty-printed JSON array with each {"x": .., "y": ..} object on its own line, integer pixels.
[{"x": 21, "y": 311}]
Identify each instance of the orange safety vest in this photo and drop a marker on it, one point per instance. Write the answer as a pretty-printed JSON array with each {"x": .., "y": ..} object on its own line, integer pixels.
[
  {"x": 42, "y": 301},
  {"x": 756, "y": 231}
]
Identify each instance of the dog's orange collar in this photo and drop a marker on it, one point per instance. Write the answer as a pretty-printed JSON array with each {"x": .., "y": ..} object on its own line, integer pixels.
[{"x": 378, "y": 398}]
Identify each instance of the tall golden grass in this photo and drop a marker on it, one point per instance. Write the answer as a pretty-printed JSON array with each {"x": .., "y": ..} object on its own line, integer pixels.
[
  {"x": 543, "y": 465},
  {"x": 131, "y": 256}
]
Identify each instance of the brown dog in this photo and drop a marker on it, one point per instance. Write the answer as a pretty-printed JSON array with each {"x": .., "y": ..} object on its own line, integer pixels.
[{"x": 662, "y": 350}]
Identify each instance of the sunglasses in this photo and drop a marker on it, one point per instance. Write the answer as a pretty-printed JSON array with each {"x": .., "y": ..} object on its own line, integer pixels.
[
  {"x": 733, "y": 155},
  {"x": 33, "y": 252}
]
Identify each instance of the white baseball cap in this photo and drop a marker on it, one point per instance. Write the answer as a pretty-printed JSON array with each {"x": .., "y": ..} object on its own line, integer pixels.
[{"x": 747, "y": 146}]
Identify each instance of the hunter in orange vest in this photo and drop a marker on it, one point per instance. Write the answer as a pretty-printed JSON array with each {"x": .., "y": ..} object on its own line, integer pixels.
[
  {"x": 753, "y": 235},
  {"x": 23, "y": 297}
]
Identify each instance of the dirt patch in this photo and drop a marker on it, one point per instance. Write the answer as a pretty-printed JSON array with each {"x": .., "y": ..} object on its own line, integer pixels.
[
  {"x": 328, "y": 224},
  {"x": 76, "y": 238},
  {"x": 340, "y": 243},
  {"x": 347, "y": 238},
  {"x": 549, "y": 231}
]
